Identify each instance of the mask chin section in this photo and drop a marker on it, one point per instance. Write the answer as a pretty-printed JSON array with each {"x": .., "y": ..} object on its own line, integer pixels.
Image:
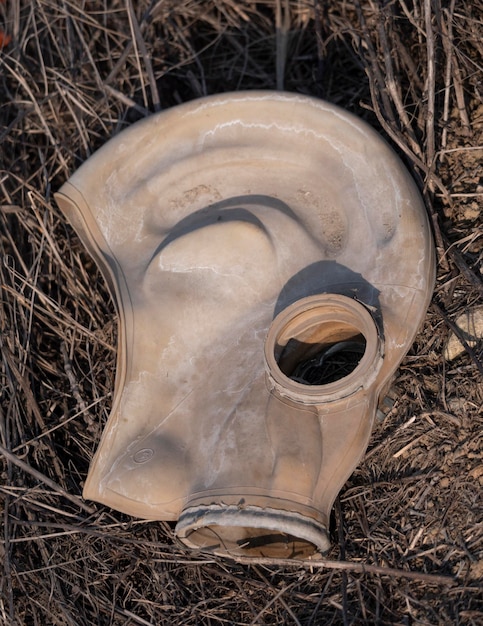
[
  {"x": 252, "y": 531},
  {"x": 323, "y": 348}
]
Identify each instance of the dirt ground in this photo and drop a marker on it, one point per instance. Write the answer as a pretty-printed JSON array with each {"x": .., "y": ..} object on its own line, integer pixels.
[{"x": 407, "y": 529}]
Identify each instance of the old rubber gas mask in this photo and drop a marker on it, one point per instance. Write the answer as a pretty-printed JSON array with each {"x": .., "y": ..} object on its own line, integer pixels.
[{"x": 271, "y": 262}]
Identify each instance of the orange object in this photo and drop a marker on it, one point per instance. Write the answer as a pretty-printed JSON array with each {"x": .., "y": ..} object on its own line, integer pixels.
[{"x": 4, "y": 39}]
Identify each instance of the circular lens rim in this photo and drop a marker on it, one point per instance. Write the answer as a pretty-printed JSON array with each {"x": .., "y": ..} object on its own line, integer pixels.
[{"x": 308, "y": 312}]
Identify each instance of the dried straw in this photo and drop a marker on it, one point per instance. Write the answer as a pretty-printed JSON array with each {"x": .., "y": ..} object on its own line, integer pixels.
[{"x": 409, "y": 519}]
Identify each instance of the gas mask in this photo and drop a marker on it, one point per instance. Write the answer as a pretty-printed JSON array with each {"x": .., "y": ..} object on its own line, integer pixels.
[{"x": 271, "y": 261}]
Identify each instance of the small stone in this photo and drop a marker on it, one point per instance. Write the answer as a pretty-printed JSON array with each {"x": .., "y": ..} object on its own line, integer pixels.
[
  {"x": 472, "y": 211},
  {"x": 456, "y": 405},
  {"x": 477, "y": 472},
  {"x": 471, "y": 327}
]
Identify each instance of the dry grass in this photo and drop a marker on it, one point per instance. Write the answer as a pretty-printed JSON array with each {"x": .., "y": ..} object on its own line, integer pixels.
[{"x": 75, "y": 73}]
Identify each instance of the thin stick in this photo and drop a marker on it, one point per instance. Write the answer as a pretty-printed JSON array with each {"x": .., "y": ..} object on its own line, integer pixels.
[
  {"x": 447, "y": 38},
  {"x": 340, "y": 530},
  {"x": 282, "y": 25},
  {"x": 361, "y": 568},
  {"x": 125, "y": 100},
  {"x": 431, "y": 80},
  {"x": 394, "y": 89},
  {"x": 7, "y": 569},
  {"x": 377, "y": 89},
  {"x": 139, "y": 39}
]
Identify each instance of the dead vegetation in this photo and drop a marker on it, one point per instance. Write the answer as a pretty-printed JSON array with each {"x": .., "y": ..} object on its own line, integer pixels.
[{"x": 407, "y": 529}]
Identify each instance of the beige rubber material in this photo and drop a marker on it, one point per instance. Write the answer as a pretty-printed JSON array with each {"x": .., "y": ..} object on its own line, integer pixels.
[{"x": 271, "y": 263}]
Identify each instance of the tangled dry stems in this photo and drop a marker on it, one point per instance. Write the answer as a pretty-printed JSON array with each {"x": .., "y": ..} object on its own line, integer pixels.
[{"x": 410, "y": 518}]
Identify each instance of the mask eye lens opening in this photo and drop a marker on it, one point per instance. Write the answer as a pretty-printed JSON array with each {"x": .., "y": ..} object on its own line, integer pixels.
[
  {"x": 322, "y": 348},
  {"x": 323, "y": 363}
]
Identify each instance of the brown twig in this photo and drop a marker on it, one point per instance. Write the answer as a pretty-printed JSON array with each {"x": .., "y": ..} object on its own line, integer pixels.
[
  {"x": 139, "y": 41},
  {"x": 347, "y": 566},
  {"x": 431, "y": 86},
  {"x": 282, "y": 24}
]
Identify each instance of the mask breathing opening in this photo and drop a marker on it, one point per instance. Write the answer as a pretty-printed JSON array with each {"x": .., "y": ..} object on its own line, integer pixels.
[
  {"x": 252, "y": 531},
  {"x": 322, "y": 348}
]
